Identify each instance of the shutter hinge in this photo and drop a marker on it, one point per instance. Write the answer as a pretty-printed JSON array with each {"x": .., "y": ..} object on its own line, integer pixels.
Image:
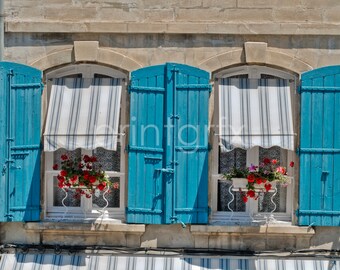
[
  {"x": 175, "y": 219},
  {"x": 9, "y": 217},
  {"x": 163, "y": 170},
  {"x": 298, "y": 151},
  {"x": 174, "y": 116},
  {"x": 297, "y": 213},
  {"x": 299, "y": 88}
]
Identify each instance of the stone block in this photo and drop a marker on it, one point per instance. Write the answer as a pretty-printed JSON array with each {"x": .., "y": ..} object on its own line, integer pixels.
[
  {"x": 54, "y": 59},
  {"x": 332, "y": 15},
  {"x": 190, "y": 3},
  {"x": 15, "y": 233},
  {"x": 146, "y": 27},
  {"x": 266, "y": 3},
  {"x": 69, "y": 14},
  {"x": 186, "y": 28},
  {"x": 249, "y": 15},
  {"x": 255, "y": 52},
  {"x": 86, "y": 51},
  {"x": 166, "y": 236},
  {"x": 325, "y": 4},
  {"x": 293, "y": 14},
  {"x": 201, "y": 241},
  {"x": 201, "y": 15},
  {"x": 219, "y": 3},
  {"x": 159, "y": 15}
]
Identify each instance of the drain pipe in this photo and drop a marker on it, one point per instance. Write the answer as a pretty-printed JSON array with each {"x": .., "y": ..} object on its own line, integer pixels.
[{"x": 2, "y": 30}]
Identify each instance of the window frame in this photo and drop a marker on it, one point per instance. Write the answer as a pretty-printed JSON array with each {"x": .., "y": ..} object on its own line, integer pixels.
[
  {"x": 251, "y": 213},
  {"x": 86, "y": 211}
]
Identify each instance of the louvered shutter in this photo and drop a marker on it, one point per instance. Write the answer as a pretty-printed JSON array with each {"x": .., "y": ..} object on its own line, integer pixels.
[
  {"x": 191, "y": 97},
  {"x": 320, "y": 147},
  {"x": 168, "y": 169},
  {"x": 21, "y": 100},
  {"x": 146, "y": 152}
]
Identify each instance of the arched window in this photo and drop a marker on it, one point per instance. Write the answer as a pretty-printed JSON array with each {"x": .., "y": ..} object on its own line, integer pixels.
[
  {"x": 111, "y": 159},
  {"x": 241, "y": 143}
]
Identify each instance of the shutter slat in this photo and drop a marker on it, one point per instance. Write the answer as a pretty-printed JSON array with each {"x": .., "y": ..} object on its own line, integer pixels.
[
  {"x": 167, "y": 173},
  {"x": 320, "y": 147},
  {"x": 21, "y": 178}
]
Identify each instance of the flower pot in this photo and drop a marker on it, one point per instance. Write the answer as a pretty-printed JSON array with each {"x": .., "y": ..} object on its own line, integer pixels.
[{"x": 241, "y": 183}]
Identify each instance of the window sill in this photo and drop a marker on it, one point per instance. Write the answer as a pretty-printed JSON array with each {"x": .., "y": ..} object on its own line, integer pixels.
[
  {"x": 267, "y": 229},
  {"x": 96, "y": 226}
]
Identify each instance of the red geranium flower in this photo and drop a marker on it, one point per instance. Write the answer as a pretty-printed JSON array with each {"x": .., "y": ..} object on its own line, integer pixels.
[
  {"x": 258, "y": 181},
  {"x": 86, "y": 159},
  {"x": 274, "y": 161},
  {"x": 244, "y": 199},
  {"x": 64, "y": 157},
  {"x": 268, "y": 186},
  {"x": 266, "y": 161},
  {"x": 63, "y": 173},
  {"x": 55, "y": 167},
  {"x": 251, "y": 193},
  {"x": 92, "y": 179},
  {"x": 251, "y": 178},
  {"x": 291, "y": 164},
  {"x": 281, "y": 170},
  {"x": 101, "y": 187}
]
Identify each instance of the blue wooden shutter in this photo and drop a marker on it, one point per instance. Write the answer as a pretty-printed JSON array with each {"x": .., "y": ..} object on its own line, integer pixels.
[
  {"x": 146, "y": 152},
  {"x": 190, "y": 89},
  {"x": 20, "y": 142},
  {"x": 168, "y": 172},
  {"x": 320, "y": 148}
]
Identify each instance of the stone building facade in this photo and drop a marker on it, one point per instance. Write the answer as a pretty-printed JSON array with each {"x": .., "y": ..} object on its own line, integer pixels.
[{"x": 217, "y": 36}]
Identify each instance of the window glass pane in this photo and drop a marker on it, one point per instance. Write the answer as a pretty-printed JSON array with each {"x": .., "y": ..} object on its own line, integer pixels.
[
  {"x": 108, "y": 160},
  {"x": 271, "y": 153},
  {"x": 235, "y": 158},
  {"x": 112, "y": 196},
  {"x": 59, "y": 195},
  {"x": 224, "y": 198},
  {"x": 75, "y": 154},
  {"x": 266, "y": 205}
]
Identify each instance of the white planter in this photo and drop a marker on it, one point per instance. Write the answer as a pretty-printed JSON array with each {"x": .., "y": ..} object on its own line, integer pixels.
[{"x": 241, "y": 183}]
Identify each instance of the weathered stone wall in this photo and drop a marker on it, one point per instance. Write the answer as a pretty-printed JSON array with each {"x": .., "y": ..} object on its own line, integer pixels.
[
  {"x": 210, "y": 52},
  {"x": 325, "y": 11}
]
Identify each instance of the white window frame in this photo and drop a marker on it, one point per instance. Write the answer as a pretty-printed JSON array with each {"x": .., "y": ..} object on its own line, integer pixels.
[
  {"x": 251, "y": 214},
  {"x": 86, "y": 211}
]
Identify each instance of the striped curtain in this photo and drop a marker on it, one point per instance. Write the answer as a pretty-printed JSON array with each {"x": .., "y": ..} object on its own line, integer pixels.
[
  {"x": 83, "y": 113},
  {"x": 255, "y": 112}
]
